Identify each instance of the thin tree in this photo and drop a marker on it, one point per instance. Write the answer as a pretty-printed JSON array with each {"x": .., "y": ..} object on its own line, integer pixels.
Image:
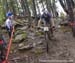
[
  {"x": 69, "y": 11},
  {"x": 28, "y": 12},
  {"x": 35, "y": 13}
]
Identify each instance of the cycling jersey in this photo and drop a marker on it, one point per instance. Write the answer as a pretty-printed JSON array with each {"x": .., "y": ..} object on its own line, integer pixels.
[{"x": 46, "y": 17}]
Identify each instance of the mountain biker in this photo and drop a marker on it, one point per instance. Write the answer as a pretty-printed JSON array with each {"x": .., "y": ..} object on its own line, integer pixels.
[
  {"x": 8, "y": 23},
  {"x": 46, "y": 19}
]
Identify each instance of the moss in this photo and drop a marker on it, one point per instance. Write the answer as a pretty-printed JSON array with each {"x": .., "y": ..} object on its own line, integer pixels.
[
  {"x": 39, "y": 33},
  {"x": 12, "y": 48},
  {"x": 38, "y": 51},
  {"x": 65, "y": 29},
  {"x": 24, "y": 35},
  {"x": 13, "y": 40}
]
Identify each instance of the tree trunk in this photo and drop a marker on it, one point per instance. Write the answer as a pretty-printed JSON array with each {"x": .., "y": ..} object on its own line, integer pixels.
[
  {"x": 62, "y": 4},
  {"x": 28, "y": 12},
  {"x": 47, "y": 5},
  {"x": 70, "y": 10},
  {"x": 17, "y": 8},
  {"x": 35, "y": 13},
  {"x": 38, "y": 8},
  {"x": 23, "y": 4},
  {"x": 42, "y": 4},
  {"x": 70, "y": 7},
  {"x": 73, "y": 4}
]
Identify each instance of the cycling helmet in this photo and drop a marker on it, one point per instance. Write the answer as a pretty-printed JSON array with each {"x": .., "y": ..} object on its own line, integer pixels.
[{"x": 8, "y": 14}]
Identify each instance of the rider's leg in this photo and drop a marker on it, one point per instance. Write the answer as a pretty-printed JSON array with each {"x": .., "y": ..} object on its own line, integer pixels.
[
  {"x": 44, "y": 22},
  {"x": 39, "y": 23}
]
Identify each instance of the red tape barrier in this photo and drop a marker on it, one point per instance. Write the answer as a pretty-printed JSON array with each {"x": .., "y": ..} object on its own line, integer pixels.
[{"x": 8, "y": 49}]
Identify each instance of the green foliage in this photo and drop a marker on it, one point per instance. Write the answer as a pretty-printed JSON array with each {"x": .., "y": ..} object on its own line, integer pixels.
[
  {"x": 39, "y": 33},
  {"x": 24, "y": 35},
  {"x": 38, "y": 51},
  {"x": 1, "y": 13},
  {"x": 30, "y": 2}
]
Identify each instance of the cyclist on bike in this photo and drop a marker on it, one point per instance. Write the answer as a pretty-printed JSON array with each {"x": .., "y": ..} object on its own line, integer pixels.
[{"x": 46, "y": 19}]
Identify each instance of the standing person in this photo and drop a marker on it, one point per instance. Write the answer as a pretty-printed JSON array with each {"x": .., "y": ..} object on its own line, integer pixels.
[
  {"x": 2, "y": 46},
  {"x": 2, "y": 37},
  {"x": 8, "y": 23}
]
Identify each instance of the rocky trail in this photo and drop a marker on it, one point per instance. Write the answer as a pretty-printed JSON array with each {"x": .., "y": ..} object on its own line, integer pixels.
[{"x": 29, "y": 46}]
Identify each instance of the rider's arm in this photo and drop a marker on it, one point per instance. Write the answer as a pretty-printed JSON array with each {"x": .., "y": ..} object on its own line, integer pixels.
[{"x": 53, "y": 24}]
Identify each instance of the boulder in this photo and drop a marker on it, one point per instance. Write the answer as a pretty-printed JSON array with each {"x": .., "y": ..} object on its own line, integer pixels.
[
  {"x": 37, "y": 43},
  {"x": 21, "y": 44},
  {"x": 20, "y": 37},
  {"x": 17, "y": 24},
  {"x": 37, "y": 50},
  {"x": 23, "y": 28},
  {"x": 3, "y": 26},
  {"x": 26, "y": 47}
]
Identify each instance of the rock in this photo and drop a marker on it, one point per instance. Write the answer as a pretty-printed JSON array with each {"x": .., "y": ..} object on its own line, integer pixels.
[
  {"x": 3, "y": 26},
  {"x": 23, "y": 22},
  {"x": 31, "y": 37},
  {"x": 14, "y": 22},
  {"x": 38, "y": 43},
  {"x": 17, "y": 24},
  {"x": 19, "y": 57},
  {"x": 23, "y": 28},
  {"x": 34, "y": 44},
  {"x": 27, "y": 47},
  {"x": 37, "y": 50},
  {"x": 20, "y": 35},
  {"x": 18, "y": 32},
  {"x": 20, "y": 45},
  {"x": 20, "y": 38},
  {"x": 58, "y": 27}
]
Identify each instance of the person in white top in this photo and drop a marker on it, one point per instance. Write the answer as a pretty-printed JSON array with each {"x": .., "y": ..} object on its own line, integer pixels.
[{"x": 8, "y": 23}]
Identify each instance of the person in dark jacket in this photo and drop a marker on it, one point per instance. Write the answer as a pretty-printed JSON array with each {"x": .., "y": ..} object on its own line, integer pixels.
[{"x": 2, "y": 46}]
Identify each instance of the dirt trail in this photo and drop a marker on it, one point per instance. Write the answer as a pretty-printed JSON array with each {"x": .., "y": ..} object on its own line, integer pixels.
[{"x": 62, "y": 49}]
